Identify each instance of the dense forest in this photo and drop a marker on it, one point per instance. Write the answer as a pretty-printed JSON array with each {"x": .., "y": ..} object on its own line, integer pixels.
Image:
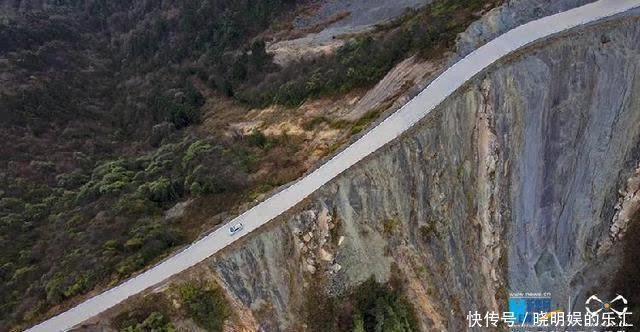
[{"x": 86, "y": 84}]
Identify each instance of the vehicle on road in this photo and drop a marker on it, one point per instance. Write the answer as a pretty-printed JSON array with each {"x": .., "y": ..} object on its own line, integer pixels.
[{"x": 235, "y": 229}]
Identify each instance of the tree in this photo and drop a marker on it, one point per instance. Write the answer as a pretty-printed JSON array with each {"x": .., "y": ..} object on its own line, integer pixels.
[
  {"x": 358, "y": 323},
  {"x": 182, "y": 115}
]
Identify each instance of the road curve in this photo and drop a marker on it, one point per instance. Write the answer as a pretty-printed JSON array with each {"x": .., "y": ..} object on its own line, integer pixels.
[{"x": 397, "y": 123}]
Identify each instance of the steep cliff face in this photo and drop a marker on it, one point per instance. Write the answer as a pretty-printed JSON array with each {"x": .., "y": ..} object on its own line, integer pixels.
[
  {"x": 575, "y": 146},
  {"x": 516, "y": 183}
]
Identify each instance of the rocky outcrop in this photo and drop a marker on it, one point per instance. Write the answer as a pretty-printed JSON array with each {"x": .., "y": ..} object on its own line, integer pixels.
[
  {"x": 323, "y": 28},
  {"x": 504, "y": 18},
  {"x": 512, "y": 184}
]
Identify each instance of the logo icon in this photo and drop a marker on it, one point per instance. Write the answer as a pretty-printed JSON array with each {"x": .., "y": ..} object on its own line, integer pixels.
[{"x": 594, "y": 305}]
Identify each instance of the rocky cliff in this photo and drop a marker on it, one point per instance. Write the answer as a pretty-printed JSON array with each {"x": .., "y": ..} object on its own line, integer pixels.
[{"x": 522, "y": 181}]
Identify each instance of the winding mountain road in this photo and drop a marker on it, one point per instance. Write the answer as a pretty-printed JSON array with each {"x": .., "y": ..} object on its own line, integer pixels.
[{"x": 389, "y": 129}]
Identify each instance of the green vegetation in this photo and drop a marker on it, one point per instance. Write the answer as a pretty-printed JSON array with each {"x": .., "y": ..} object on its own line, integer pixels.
[
  {"x": 155, "y": 322},
  {"x": 110, "y": 216},
  {"x": 427, "y": 231},
  {"x": 371, "y": 307},
  {"x": 390, "y": 226},
  {"x": 205, "y": 303},
  {"x": 365, "y": 121},
  {"x": 257, "y": 138},
  {"x": 109, "y": 219},
  {"x": 153, "y": 312}
]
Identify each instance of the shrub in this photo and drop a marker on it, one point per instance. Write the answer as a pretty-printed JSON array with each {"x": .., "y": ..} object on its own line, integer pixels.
[
  {"x": 36, "y": 211},
  {"x": 156, "y": 237},
  {"x": 87, "y": 192},
  {"x": 382, "y": 309},
  {"x": 199, "y": 183},
  {"x": 257, "y": 138},
  {"x": 193, "y": 97},
  {"x": 110, "y": 248},
  {"x": 80, "y": 284},
  {"x": 369, "y": 307},
  {"x": 206, "y": 304},
  {"x": 182, "y": 115},
  {"x": 112, "y": 187},
  {"x": 114, "y": 177},
  {"x": 53, "y": 289},
  {"x": 155, "y": 322},
  {"x": 73, "y": 179},
  {"x": 246, "y": 159},
  {"x": 389, "y": 226},
  {"x": 12, "y": 204},
  {"x": 162, "y": 190},
  {"x": 195, "y": 151},
  {"x": 313, "y": 123},
  {"x": 6, "y": 270},
  {"x": 365, "y": 121},
  {"x": 427, "y": 231},
  {"x": 131, "y": 205},
  {"x": 134, "y": 244},
  {"x": 197, "y": 189},
  {"x": 23, "y": 273}
]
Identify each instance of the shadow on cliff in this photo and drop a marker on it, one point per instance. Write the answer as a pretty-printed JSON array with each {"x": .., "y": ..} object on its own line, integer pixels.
[{"x": 626, "y": 280}]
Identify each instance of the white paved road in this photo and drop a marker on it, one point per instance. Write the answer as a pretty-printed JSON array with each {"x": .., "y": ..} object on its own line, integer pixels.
[{"x": 389, "y": 129}]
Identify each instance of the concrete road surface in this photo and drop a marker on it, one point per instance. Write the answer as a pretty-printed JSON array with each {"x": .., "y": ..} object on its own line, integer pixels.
[{"x": 383, "y": 133}]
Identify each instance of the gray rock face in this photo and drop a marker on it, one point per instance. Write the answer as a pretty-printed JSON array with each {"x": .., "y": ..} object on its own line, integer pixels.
[
  {"x": 362, "y": 12},
  {"x": 572, "y": 132}
]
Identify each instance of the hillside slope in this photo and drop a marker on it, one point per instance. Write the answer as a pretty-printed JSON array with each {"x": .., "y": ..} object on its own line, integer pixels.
[{"x": 137, "y": 126}]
